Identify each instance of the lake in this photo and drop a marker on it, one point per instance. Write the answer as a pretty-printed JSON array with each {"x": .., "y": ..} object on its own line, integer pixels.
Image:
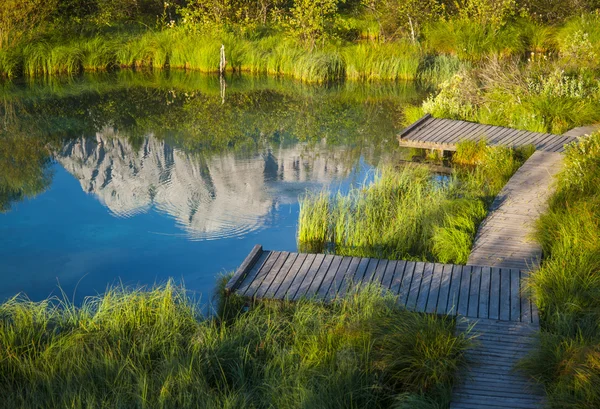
[{"x": 132, "y": 178}]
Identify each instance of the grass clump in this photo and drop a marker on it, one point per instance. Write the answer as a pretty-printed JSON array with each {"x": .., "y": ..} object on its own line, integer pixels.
[
  {"x": 567, "y": 285},
  {"x": 410, "y": 213},
  {"x": 153, "y": 348}
]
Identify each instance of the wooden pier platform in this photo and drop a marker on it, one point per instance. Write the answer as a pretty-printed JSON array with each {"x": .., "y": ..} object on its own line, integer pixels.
[
  {"x": 469, "y": 291},
  {"x": 445, "y": 134}
]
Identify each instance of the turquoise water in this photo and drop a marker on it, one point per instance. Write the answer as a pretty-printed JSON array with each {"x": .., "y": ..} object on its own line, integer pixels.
[{"x": 131, "y": 179}]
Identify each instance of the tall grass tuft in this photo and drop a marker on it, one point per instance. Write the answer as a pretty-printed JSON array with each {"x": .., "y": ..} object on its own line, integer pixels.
[
  {"x": 382, "y": 61},
  {"x": 411, "y": 213},
  {"x": 153, "y": 348},
  {"x": 567, "y": 285}
]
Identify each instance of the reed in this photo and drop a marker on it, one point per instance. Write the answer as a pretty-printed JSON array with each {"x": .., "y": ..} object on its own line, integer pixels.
[{"x": 153, "y": 348}]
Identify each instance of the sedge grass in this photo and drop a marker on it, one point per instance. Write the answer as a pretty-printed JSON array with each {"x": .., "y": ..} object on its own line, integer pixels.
[
  {"x": 153, "y": 349},
  {"x": 407, "y": 213},
  {"x": 567, "y": 285}
]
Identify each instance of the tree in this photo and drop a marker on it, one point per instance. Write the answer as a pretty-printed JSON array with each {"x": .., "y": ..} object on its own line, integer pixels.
[
  {"x": 309, "y": 20},
  {"x": 19, "y": 17}
]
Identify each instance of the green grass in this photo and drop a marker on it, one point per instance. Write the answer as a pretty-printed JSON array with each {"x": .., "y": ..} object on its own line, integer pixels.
[
  {"x": 154, "y": 349},
  {"x": 567, "y": 285},
  {"x": 407, "y": 213}
]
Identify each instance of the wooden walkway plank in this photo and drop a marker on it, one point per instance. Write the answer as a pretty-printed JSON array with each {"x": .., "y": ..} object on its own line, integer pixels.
[
  {"x": 515, "y": 292},
  {"x": 495, "y": 294},
  {"x": 484, "y": 297},
  {"x": 434, "y": 290},
  {"x": 242, "y": 286},
  {"x": 399, "y": 273},
  {"x": 319, "y": 276},
  {"x": 308, "y": 277},
  {"x": 257, "y": 282},
  {"x": 282, "y": 276},
  {"x": 380, "y": 272},
  {"x": 442, "y": 304},
  {"x": 339, "y": 278},
  {"x": 454, "y": 294},
  {"x": 348, "y": 278},
  {"x": 329, "y": 277},
  {"x": 505, "y": 294},
  {"x": 413, "y": 273},
  {"x": 465, "y": 286},
  {"x": 370, "y": 272},
  {"x": 290, "y": 277},
  {"x": 272, "y": 275},
  {"x": 424, "y": 288},
  {"x": 474, "y": 292},
  {"x": 386, "y": 281}
]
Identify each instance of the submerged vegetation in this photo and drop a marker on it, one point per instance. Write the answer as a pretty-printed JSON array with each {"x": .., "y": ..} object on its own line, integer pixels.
[
  {"x": 410, "y": 213},
  {"x": 153, "y": 348},
  {"x": 567, "y": 285}
]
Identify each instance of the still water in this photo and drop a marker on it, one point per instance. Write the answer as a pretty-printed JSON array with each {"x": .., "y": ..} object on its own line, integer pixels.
[{"x": 135, "y": 178}]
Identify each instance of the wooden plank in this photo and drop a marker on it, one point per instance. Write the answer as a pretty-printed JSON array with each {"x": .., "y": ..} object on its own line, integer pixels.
[
  {"x": 525, "y": 300},
  {"x": 515, "y": 291},
  {"x": 247, "y": 281},
  {"x": 398, "y": 277},
  {"x": 495, "y": 294},
  {"x": 297, "y": 281},
  {"x": 414, "y": 125},
  {"x": 449, "y": 129},
  {"x": 370, "y": 272},
  {"x": 505, "y": 294},
  {"x": 266, "y": 268},
  {"x": 388, "y": 275},
  {"x": 454, "y": 293},
  {"x": 271, "y": 275},
  {"x": 411, "y": 283},
  {"x": 291, "y": 276},
  {"x": 460, "y": 133},
  {"x": 348, "y": 278},
  {"x": 319, "y": 276},
  {"x": 434, "y": 289},
  {"x": 425, "y": 286},
  {"x": 442, "y": 304},
  {"x": 361, "y": 271},
  {"x": 329, "y": 277},
  {"x": 309, "y": 276},
  {"x": 474, "y": 292},
  {"x": 484, "y": 297},
  {"x": 454, "y": 132},
  {"x": 465, "y": 285},
  {"x": 423, "y": 132},
  {"x": 380, "y": 272},
  {"x": 338, "y": 279},
  {"x": 244, "y": 268},
  {"x": 441, "y": 131},
  {"x": 281, "y": 276}
]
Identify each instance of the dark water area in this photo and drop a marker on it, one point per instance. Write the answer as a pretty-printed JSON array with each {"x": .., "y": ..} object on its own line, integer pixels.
[{"x": 133, "y": 179}]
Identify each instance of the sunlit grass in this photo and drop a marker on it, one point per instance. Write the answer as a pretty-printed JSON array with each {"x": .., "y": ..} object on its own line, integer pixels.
[{"x": 153, "y": 348}]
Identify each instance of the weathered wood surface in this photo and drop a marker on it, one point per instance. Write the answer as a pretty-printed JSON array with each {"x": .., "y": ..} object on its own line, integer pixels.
[
  {"x": 492, "y": 380},
  {"x": 504, "y": 238},
  {"x": 470, "y": 291},
  {"x": 582, "y": 130},
  {"x": 444, "y": 134}
]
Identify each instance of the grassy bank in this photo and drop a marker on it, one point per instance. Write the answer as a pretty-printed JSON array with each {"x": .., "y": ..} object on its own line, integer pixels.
[
  {"x": 567, "y": 285},
  {"x": 409, "y": 213},
  {"x": 153, "y": 349}
]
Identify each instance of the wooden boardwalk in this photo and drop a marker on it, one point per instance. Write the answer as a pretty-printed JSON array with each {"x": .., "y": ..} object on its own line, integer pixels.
[
  {"x": 469, "y": 291},
  {"x": 504, "y": 238},
  {"x": 444, "y": 134}
]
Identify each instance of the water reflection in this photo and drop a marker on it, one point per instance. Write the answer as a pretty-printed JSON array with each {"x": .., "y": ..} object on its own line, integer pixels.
[{"x": 210, "y": 196}]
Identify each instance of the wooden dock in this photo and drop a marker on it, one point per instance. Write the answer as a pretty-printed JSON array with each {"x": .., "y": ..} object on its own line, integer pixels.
[
  {"x": 469, "y": 291},
  {"x": 445, "y": 134}
]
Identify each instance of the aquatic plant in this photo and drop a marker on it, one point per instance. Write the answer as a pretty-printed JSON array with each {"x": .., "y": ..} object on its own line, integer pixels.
[{"x": 153, "y": 348}]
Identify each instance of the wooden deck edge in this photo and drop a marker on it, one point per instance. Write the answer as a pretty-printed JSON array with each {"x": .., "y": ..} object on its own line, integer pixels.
[
  {"x": 426, "y": 145},
  {"x": 243, "y": 269},
  {"x": 412, "y": 126}
]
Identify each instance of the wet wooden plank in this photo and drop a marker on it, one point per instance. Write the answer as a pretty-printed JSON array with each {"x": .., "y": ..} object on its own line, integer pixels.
[
  {"x": 474, "y": 292},
  {"x": 454, "y": 293},
  {"x": 434, "y": 289}
]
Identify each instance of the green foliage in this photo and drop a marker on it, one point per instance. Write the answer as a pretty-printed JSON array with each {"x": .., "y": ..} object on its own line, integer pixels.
[
  {"x": 579, "y": 41},
  {"x": 567, "y": 285},
  {"x": 408, "y": 214},
  {"x": 386, "y": 61},
  {"x": 310, "y": 20},
  {"x": 152, "y": 348},
  {"x": 18, "y": 18}
]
